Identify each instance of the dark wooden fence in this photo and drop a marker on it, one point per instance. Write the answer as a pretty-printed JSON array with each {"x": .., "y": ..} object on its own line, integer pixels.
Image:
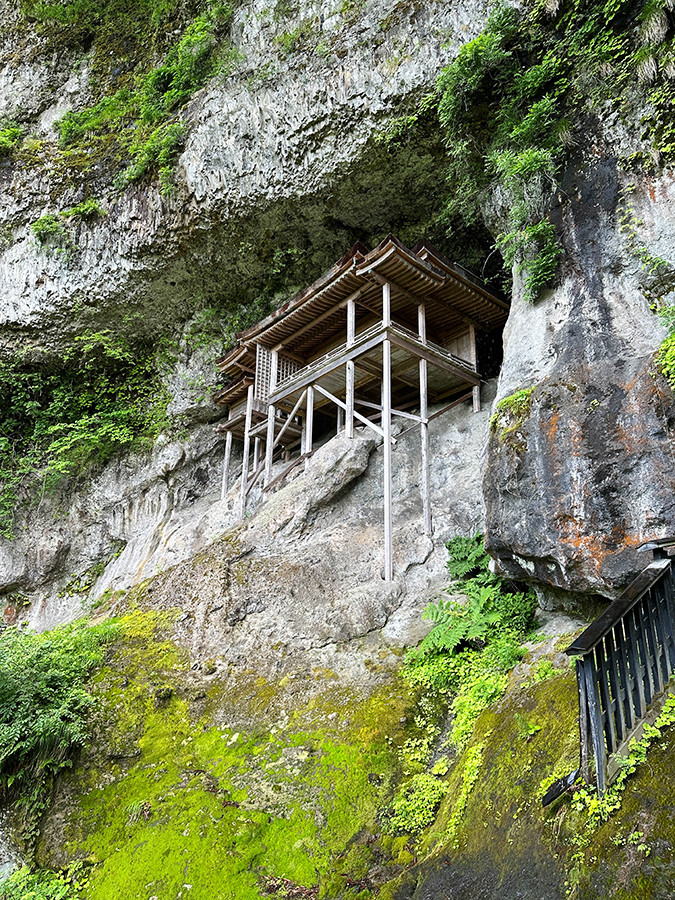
[{"x": 626, "y": 659}]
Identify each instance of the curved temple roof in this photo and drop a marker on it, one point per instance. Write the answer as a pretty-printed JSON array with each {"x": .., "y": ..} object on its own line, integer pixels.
[{"x": 452, "y": 296}]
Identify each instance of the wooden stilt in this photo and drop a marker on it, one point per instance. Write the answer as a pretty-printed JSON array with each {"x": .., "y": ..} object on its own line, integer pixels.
[
  {"x": 256, "y": 454},
  {"x": 425, "y": 488},
  {"x": 247, "y": 450},
  {"x": 309, "y": 423},
  {"x": 386, "y": 304},
  {"x": 474, "y": 360},
  {"x": 271, "y": 413},
  {"x": 226, "y": 465},
  {"x": 340, "y": 427},
  {"x": 386, "y": 426},
  {"x": 386, "y": 480},
  {"x": 349, "y": 372}
]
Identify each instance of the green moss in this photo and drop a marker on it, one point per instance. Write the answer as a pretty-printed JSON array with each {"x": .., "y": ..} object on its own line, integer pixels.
[
  {"x": 665, "y": 359},
  {"x": 300, "y": 38},
  {"x": 165, "y": 797},
  {"x": 512, "y": 413}
]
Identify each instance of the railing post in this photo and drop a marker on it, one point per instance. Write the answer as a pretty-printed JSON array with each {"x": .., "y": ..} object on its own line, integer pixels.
[{"x": 595, "y": 716}]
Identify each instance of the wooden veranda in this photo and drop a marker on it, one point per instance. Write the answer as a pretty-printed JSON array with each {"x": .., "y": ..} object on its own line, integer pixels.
[{"x": 383, "y": 334}]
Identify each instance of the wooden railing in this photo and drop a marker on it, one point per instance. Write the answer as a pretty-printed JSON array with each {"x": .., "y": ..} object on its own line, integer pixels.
[
  {"x": 626, "y": 658},
  {"x": 364, "y": 340}
]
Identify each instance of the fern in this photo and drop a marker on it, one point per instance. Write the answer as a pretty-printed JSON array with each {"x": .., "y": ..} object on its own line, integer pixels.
[
  {"x": 467, "y": 556},
  {"x": 489, "y": 611},
  {"x": 44, "y": 705}
]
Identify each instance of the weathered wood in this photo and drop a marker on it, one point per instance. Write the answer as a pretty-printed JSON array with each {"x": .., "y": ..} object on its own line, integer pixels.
[
  {"x": 271, "y": 413},
  {"x": 601, "y": 675},
  {"x": 289, "y": 419},
  {"x": 425, "y": 484},
  {"x": 634, "y": 663},
  {"x": 319, "y": 319},
  {"x": 474, "y": 361},
  {"x": 584, "y": 723},
  {"x": 595, "y": 716},
  {"x": 394, "y": 412},
  {"x": 645, "y": 660},
  {"x": 436, "y": 358},
  {"x": 615, "y": 687},
  {"x": 659, "y": 639},
  {"x": 386, "y": 424},
  {"x": 226, "y": 465},
  {"x": 618, "y": 608},
  {"x": 669, "y": 617},
  {"x": 309, "y": 432},
  {"x": 625, "y": 676},
  {"x": 247, "y": 448},
  {"x": 357, "y": 415},
  {"x": 386, "y": 305},
  {"x": 652, "y": 644}
]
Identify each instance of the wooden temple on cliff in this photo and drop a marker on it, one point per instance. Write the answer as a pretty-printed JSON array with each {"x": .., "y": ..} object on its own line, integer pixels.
[{"x": 383, "y": 334}]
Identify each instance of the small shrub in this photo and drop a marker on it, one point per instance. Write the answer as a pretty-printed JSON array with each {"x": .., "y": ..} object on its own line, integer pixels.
[
  {"x": 10, "y": 138},
  {"x": 46, "y": 885},
  {"x": 292, "y": 41},
  {"x": 473, "y": 644},
  {"x": 44, "y": 705},
  {"x": 87, "y": 209},
  {"x": 48, "y": 229},
  {"x": 159, "y": 152},
  {"x": 665, "y": 359}
]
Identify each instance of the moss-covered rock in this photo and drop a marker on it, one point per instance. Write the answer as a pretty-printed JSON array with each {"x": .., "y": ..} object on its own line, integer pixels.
[{"x": 166, "y": 801}]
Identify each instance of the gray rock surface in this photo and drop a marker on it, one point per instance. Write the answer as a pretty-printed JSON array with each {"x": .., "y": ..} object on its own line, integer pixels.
[
  {"x": 303, "y": 569},
  {"x": 589, "y": 473},
  {"x": 280, "y": 141}
]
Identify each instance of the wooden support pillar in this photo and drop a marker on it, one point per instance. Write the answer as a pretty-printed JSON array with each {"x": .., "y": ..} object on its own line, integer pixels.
[
  {"x": 309, "y": 423},
  {"x": 349, "y": 371},
  {"x": 226, "y": 465},
  {"x": 474, "y": 361},
  {"x": 271, "y": 413},
  {"x": 256, "y": 454},
  {"x": 340, "y": 427},
  {"x": 386, "y": 304},
  {"x": 247, "y": 450},
  {"x": 425, "y": 487},
  {"x": 386, "y": 427}
]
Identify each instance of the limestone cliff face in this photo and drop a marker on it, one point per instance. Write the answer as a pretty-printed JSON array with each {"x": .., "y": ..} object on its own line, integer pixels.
[
  {"x": 282, "y": 153},
  {"x": 588, "y": 474},
  {"x": 280, "y": 150}
]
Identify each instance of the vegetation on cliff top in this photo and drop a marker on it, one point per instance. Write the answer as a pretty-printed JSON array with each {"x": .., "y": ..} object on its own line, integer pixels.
[
  {"x": 517, "y": 103},
  {"x": 134, "y": 125}
]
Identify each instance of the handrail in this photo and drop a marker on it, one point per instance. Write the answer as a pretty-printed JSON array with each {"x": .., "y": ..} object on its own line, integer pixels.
[
  {"x": 618, "y": 608},
  {"x": 625, "y": 660},
  {"x": 362, "y": 338}
]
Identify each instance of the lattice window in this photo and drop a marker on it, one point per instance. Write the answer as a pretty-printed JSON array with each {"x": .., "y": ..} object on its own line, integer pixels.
[
  {"x": 287, "y": 367},
  {"x": 263, "y": 371}
]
